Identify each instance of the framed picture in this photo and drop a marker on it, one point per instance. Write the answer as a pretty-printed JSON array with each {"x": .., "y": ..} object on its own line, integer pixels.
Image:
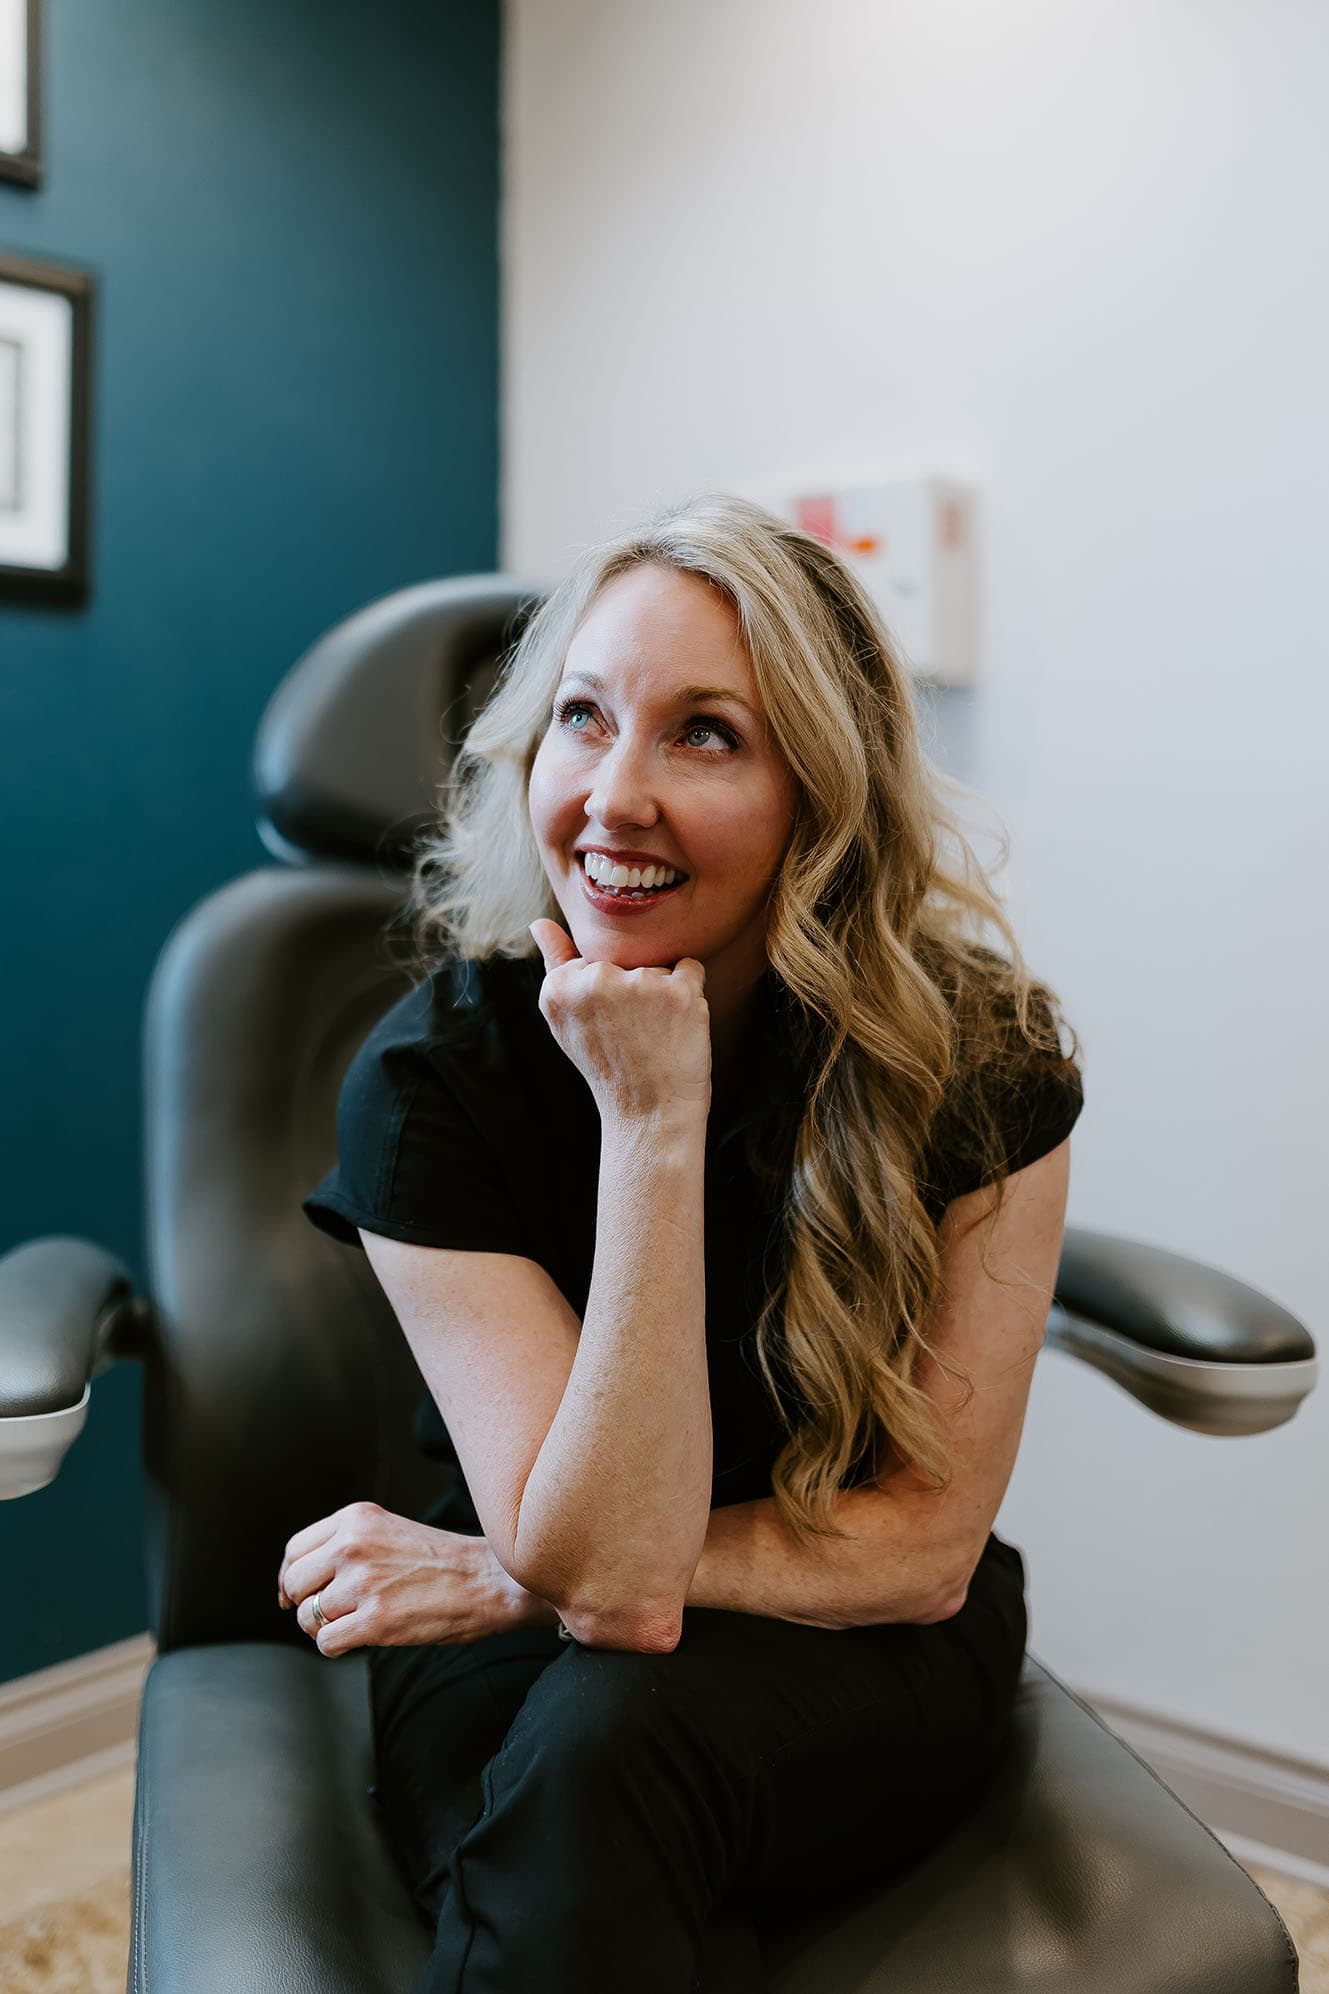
[
  {"x": 20, "y": 91},
  {"x": 45, "y": 405}
]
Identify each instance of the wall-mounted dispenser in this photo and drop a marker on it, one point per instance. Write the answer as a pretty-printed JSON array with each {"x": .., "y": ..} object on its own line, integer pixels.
[{"x": 913, "y": 542}]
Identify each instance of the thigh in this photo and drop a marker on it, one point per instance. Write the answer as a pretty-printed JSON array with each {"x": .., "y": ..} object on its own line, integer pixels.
[
  {"x": 872, "y": 1751},
  {"x": 801, "y": 1760},
  {"x": 439, "y": 1714}
]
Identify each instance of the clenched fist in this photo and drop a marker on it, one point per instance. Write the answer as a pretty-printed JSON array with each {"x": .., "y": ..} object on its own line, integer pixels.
[{"x": 641, "y": 1038}]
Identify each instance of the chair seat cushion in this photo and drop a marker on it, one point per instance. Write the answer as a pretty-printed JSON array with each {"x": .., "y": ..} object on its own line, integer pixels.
[
  {"x": 260, "y": 1862},
  {"x": 1079, "y": 1872}
]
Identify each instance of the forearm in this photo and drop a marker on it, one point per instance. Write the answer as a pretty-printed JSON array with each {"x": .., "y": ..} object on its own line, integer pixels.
[
  {"x": 887, "y": 1568},
  {"x": 615, "y": 1509},
  {"x": 884, "y": 1571}
]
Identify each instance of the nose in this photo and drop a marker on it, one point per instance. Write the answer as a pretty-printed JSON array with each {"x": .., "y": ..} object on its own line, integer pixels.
[{"x": 623, "y": 795}]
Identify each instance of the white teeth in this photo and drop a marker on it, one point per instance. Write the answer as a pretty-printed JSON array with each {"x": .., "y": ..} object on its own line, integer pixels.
[{"x": 622, "y": 878}]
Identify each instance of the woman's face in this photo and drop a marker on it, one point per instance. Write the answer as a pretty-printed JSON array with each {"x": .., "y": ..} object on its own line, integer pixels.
[{"x": 637, "y": 760}]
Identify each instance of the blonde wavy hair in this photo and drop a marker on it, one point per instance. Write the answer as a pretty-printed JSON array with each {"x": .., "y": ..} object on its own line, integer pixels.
[{"x": 896, "y": 1007}]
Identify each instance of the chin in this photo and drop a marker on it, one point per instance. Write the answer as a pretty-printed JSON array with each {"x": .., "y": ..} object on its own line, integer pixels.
[{"x": 629, "y": 951}]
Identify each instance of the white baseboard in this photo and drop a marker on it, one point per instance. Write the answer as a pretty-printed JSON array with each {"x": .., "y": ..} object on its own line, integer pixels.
[
  {"x": 1263, "y": 1806},
  {"x": 70, "y": 1722},
  {"x": 1260, "y": 1855},
  {"x": 80, "y": 1718}
]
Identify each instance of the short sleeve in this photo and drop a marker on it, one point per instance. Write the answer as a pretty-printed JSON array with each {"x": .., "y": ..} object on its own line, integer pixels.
[
  {"x": 1034, "y": 1113},
  {"x": 1042, "y": 1115},
  {"x": 413, "y": 1163}
]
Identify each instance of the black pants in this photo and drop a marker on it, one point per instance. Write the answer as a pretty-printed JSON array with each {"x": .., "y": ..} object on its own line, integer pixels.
[{"x": 569, "y": 1819}]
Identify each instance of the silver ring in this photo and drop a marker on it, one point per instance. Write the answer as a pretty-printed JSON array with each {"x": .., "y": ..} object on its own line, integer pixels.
[{"x": 320, "y": 1617}]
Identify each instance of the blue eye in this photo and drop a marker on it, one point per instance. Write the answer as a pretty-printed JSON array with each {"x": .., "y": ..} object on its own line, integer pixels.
[{"x": 710, "y": 721}]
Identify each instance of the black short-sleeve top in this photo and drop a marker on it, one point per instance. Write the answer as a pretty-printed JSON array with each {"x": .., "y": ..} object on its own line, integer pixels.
[{"x": 461, "y": 1122}]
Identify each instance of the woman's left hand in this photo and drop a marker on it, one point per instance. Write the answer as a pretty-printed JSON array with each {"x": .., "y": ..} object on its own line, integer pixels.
[{"x": 386, "y": 1581}]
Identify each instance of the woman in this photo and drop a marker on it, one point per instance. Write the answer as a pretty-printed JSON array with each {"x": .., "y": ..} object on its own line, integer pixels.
[{"x": 715, "y": 1619}]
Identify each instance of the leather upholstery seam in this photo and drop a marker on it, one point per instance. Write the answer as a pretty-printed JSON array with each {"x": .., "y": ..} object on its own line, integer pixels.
[{"x": 142, "y": 1800}]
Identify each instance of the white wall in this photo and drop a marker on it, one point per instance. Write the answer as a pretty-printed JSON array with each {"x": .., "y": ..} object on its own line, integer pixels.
[{"x": 1079, "y": 254}]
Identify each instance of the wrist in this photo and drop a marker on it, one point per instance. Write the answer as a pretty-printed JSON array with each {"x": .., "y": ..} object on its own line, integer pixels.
[
  {"x": 509, "y": 1602},
  {"x": 523, "y": 1608},
  {"x": 532, "y": 1611},
  {"x": 661, "y": 1132}
]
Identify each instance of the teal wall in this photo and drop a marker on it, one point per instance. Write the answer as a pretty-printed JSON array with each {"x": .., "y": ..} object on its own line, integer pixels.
[{"x": 292, "y": 213}]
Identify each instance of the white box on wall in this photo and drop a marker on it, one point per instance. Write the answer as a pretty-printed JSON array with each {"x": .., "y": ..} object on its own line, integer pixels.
[{"x": 913, "y": 543}]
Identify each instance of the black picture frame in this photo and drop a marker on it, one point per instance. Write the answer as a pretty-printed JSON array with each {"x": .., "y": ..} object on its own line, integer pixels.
[
  {"x": 69, "y": 582},
  {"x": 25, "y": 166}
]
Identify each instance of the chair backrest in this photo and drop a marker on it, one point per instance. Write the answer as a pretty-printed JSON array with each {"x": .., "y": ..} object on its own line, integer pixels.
[{"x": 279, "y": 1386}]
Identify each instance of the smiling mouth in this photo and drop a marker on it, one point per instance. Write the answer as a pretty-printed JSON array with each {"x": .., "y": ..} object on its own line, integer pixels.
[{"x": 631, "y": 895}]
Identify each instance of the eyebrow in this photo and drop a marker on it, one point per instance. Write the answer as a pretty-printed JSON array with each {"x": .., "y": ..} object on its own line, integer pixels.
[{"x": 685, "y": 695}]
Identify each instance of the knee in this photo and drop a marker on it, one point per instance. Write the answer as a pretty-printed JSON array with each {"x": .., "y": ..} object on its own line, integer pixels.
[
  {"x": 610, "y": 1741},
  {"x": 610, "y": 1693},
  {"x": 590, "y": 1709}
]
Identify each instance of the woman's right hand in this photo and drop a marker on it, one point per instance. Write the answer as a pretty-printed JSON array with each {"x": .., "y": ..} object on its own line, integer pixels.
[{"x": 641, "y": 1038}]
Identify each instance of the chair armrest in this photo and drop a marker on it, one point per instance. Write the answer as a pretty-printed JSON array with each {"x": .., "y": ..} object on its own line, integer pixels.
[
  {"x": 67, "y": 1312},
  {"x": 1197, "y": 1346}
]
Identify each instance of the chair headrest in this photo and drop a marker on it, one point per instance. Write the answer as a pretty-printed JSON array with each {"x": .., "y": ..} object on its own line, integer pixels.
[{"x": 355, "y": 741}]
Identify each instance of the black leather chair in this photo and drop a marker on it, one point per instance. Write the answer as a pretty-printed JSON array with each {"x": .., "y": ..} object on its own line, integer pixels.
[{"x": 278, "y": 1387}]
